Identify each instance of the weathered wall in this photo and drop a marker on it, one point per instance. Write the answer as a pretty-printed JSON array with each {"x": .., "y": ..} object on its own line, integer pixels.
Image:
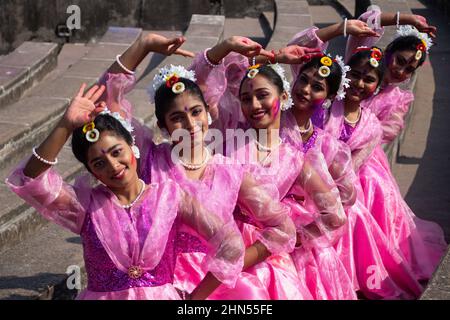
[{"x": 22, "y": 20}]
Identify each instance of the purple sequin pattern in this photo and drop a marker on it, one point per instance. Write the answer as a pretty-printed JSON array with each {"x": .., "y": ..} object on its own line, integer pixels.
[
  {"x": 346, "y": 133},
  {"x": 310, "y": 142},
  {"x": 187, "y": 243},
  {"x": 103, "y": 275}
]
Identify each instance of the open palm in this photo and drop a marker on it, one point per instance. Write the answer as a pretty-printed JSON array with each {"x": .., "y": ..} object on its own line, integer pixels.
[{"x": 83, "y": 109}]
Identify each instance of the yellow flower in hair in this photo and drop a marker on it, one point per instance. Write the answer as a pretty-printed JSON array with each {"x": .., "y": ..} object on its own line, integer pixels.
[
  {"x": 326, "y": 61},
  {"x": 88, "y": 127},
  {"x": 256, "y": 66}
]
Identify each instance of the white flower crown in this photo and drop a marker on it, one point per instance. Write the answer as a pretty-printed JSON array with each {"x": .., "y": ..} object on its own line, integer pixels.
[
  {"x": 127, "y": 125},
  {"x": 408, "y": 30},
  {"x": 286, "y": 85},
  {"x": 345, "y": 82},
  {"x": 164, "y": 74}
]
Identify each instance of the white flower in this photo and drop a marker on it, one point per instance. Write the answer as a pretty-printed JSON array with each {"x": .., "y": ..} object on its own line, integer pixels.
[
  {"x": 418, "y": 55},
  {"x": 92, "y": 135},
  {"x": 252, "y": 73},
  {"x": 374, "y": 62},
  {"x": 178, "y": 88},
  {"x": 324, "y": 71}
]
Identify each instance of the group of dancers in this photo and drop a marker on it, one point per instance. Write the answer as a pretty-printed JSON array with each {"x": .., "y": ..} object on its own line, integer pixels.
[{"x": 298, "y": 202}]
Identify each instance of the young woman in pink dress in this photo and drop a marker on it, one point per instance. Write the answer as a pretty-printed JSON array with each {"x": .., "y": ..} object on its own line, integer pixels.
[
  {"x": 421, "y": 242},
  {"x": 217, "y": 182},
  {"x": 128, "y": 228},
  {"x": 319, "y": 213},
  {"x": 391, "y": 265}
]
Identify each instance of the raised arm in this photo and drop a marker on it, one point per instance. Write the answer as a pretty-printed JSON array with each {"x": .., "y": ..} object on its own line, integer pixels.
[{"x": 42, "y": 187}]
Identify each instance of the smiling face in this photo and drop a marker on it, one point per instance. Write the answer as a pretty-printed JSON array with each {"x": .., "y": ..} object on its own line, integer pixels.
[
  {"x": 261, "y": 102},
  {"x": 364, "y": 81},
  {"x": 187, "y": 112},
  {"x": 112, "y": 161},
  {"x": 310, "y": 89},
  {"x": 401, "y": 66}
]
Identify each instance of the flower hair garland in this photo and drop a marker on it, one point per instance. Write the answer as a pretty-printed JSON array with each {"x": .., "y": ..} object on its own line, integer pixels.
[
  {"x": 254, "y": 70},
  {"x": 286, "y": 85},
  {"x": 408, "y": 30},
  {"x": 92, "y": 134},
  {"x": 325, "y": 71},
  {"x": 170, "y": 76},
  {"x": 345, "y": 82}
]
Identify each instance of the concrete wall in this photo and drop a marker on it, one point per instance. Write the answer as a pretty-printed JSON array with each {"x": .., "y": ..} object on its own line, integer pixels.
[{"x": 22, "y": 20}]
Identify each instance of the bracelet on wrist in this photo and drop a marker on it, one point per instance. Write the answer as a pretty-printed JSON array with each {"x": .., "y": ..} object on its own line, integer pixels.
[
  {"x": 50, "y": 163},
  {"x": 205, "y": 55},
  {"x": 122, "y": 66}
]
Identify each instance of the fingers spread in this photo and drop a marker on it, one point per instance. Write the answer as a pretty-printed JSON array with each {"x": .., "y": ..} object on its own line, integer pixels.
[
  {"x": 81, "y": 91},
  {"x": 97, "y": 94}
]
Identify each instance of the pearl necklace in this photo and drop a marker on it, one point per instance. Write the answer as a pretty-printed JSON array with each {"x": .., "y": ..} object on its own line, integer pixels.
[
  {"x": 306, "y": 130},
  {"x": 128, "y": 206},
  {"x": 357, "y": 119},
  {"x": 262, "y": 147},
  {"x": 190, "y": 166}
]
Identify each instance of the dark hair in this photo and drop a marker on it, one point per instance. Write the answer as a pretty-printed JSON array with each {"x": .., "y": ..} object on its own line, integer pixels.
[
  {"x": 268, "y": 73},
  {"x": 333, "y": 80},
  {"x": 406, "y": 43},
  {"x": 362, "y": 57},
  {"x": 104, "y": 122},
  {"x": 164, "y": 97}
]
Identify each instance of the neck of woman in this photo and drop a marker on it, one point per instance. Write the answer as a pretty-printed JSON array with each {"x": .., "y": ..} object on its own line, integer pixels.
[
  {"x": 270, "y": 136},
  {"x": 303, "y": 117},
  {"x": 196, "y": 154},
  {"x": 128, "y": 193}
]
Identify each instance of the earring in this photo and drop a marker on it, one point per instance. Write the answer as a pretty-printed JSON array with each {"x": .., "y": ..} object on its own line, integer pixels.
[
  {"x": 326, "y": 104},
  {"x": 165, "y": 134},
  {"x": 210, "y": 121},
  {"x": 376, "y": 91}
]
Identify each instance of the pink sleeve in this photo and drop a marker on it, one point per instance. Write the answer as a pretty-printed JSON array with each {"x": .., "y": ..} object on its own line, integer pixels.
[
  {"x": 361, "y": 154},
  {"x": 322, "y": 201},
  {"x": 225, "y": 259},
  {"x": 54, "y": 199},
  {"x": 372, "y": 18},
  {"x": 306, "y": 38},
  {"x": 260, "y": 202},
  {"x": 117, "y": 86},
  {"x": 220, "y": 87},
  {"x": 341, "y": 169},
  {"x": 391, "y": 112}
]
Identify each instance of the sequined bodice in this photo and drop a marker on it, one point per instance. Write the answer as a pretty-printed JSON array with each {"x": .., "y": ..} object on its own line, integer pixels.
[{"x": 103, "y": 275}]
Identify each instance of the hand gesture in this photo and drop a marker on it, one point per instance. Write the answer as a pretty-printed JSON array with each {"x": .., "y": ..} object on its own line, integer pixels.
[
  {"x": 422, "y": 25},
  {"x": 359, "y": 28},
  {"x": 160, "y": 44},
  {"x": 83, "y": 109},
  {"x": 247, "y": 47},
  {"x": 295, "y": 54}
]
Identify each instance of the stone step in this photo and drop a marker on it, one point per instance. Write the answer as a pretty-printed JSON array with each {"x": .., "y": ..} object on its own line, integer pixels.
[
  {"x": 22, "y": 68},
  {"x": 324, "y": 16},
  {"x": 291, "y": 17},
  {"x": 252, "y": 28},
  {"x": 36, "y": 268},
  {"x": 27, "y": 122}
]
